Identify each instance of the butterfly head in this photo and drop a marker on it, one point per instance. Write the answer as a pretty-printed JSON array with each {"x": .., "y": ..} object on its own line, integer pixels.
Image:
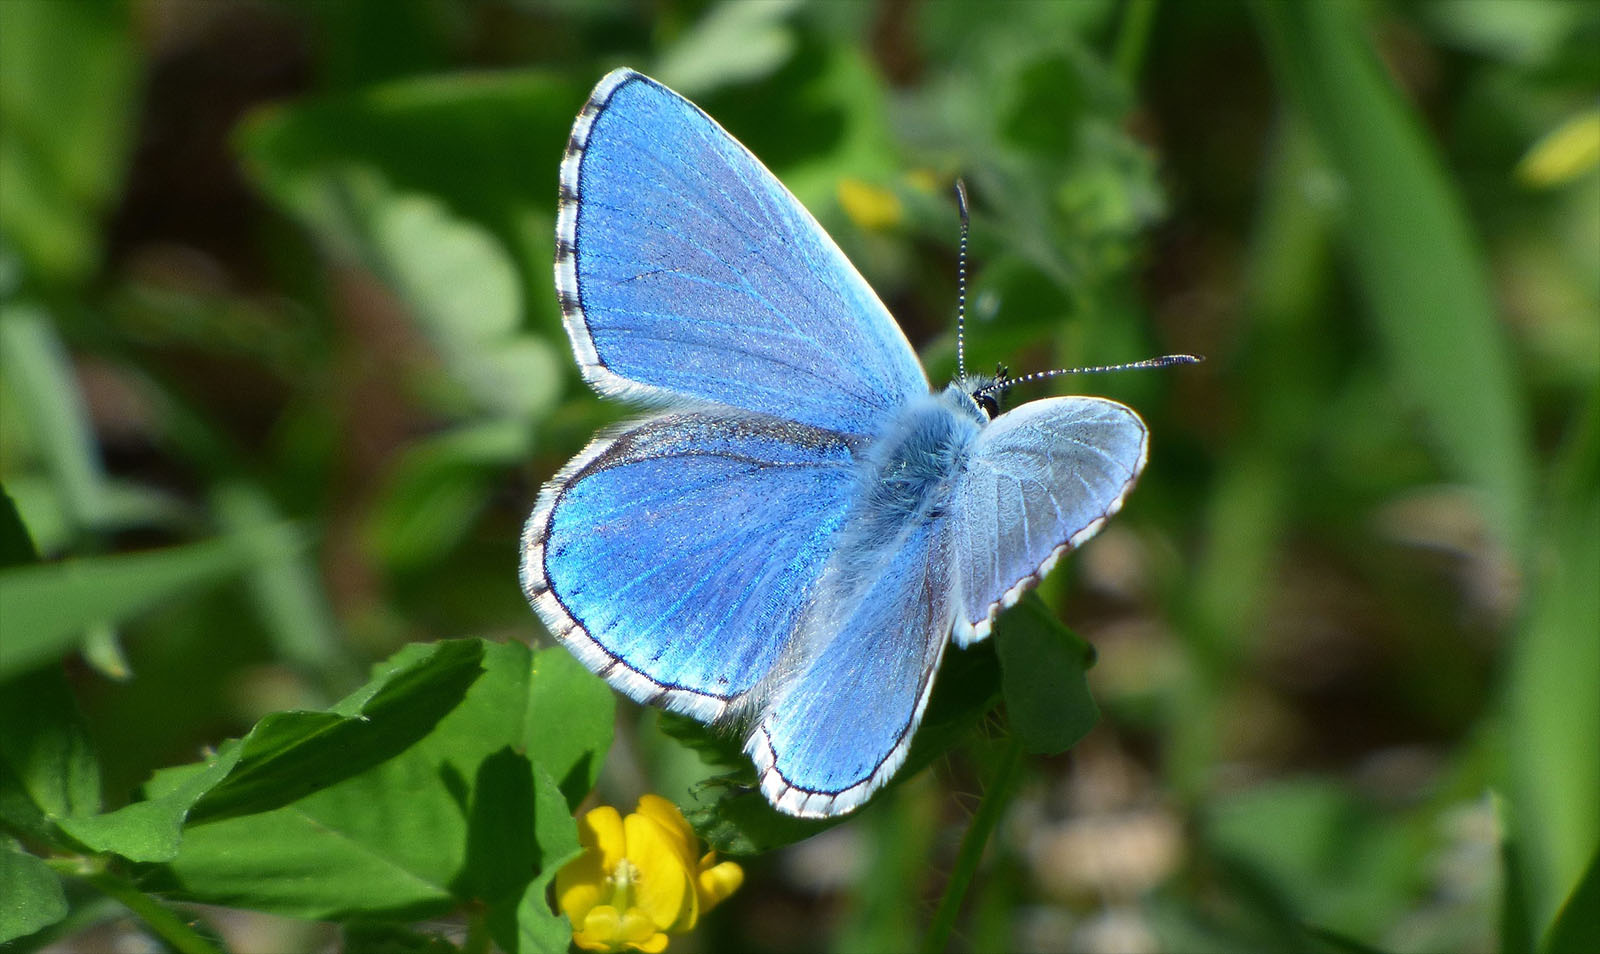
[{"x": 987, "y": 392}]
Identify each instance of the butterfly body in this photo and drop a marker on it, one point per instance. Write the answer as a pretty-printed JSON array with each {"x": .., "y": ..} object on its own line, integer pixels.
[
  {"x": 795, "y": 535},
  {"x": 908, "y": 473}
]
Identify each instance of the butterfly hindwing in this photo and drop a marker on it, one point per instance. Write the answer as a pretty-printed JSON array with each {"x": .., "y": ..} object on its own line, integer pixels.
[
  {"x": 674, "y": 557},
  {"x": 1042, "y": 479},
  {"x": 686, "y": 270},
  {"x": 841, "y": 725}
]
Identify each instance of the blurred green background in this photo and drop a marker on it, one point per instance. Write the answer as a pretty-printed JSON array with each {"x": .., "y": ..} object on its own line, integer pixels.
[{"x": 283, "y": 371}]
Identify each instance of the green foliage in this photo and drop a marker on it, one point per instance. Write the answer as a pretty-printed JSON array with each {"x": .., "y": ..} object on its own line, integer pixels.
[
  {"x": 47, "y": 607},
  {"x": 34, "y": 899},
  {"x": 1576, "y": 927},
  {"x": 64, "y": 138},
  {"x": 449, "y": 778},
  {"x": 1043, "y": 667},
  {"x": 1420, "y": 269},
  {"x": 281, "y": 369}
]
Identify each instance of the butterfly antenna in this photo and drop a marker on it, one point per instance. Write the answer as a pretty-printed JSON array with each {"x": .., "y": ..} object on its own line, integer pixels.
[
  {"x": 961, "y": 283},
  {"x": 1165, "y": 361}
]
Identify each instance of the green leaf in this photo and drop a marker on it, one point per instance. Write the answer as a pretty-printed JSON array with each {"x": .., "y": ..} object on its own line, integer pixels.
[
  {"x": 730, "y": 43},
  {"x": 285, "y": 587},
  {"x": 1414, "y": 255},
  {"x": 438, "y": 486},
  {"x": 1552, "y": 709},
  {"x": 567, "y": 718},
  {"x": 47, "y": 764},
  {"x": 1515, "y": 916},
  {"x": 33, "y": 896},
  {"x": 1576, "y": 929},
  {"x": 44, "y": 609},
  {"x": 1307, "y": 851},
  {"x": 290, "y": 754},
  {"x": 65, "y": 132},
  {"x": 1044, "y": 673},
  {"x": 46, "y": 391},
  {"x": 48, "y": 768},
  {"x": 425, "y": 181},
  {"x": 531, "y": 925},
  {"x": 438, "y": 824},
  {"x": 16, "y": 547}
]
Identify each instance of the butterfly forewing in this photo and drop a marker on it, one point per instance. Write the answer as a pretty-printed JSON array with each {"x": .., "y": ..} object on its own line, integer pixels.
[{"x": 686, "y": 270}]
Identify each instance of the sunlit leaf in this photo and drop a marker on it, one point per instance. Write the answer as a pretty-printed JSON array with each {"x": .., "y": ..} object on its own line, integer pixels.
[
  {"x": 456, "y": 816},
  {"x": 291, "y": 754}
]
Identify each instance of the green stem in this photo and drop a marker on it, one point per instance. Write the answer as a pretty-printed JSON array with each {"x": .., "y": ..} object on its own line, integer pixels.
[
  {"x": 1132, "y": 39},
  {"x": 162, "y": 920},
  {"x": 973, "y": 842}
]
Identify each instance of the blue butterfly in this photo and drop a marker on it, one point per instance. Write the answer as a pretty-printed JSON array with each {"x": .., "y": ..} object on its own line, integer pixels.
[{"x": 799, "y": 528}]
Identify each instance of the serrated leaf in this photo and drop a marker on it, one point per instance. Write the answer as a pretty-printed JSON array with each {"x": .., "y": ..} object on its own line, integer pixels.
[
  {"x": 431, "y": 827},
  {"x": 290, "y": 754},
  {"x": 531, "y": 925}
]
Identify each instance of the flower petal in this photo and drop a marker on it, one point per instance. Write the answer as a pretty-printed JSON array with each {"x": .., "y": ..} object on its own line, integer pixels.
[
  {"x": 600, "y": 930},
  {"x": 716, "y": 881},
  {"x": 640, "y": 932},
  {"x": 577, "y": 892},
  {"x": 663, "y": 889},
  {"x": 671, "y": 819},
  {"x": 602, "y": 828}
]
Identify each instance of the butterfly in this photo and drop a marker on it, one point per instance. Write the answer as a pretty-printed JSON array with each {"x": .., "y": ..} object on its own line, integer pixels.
[{"x": 800, "y": 526}]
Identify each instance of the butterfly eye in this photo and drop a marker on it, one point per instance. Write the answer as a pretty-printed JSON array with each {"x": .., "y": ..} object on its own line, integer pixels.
[{"x": 991, "y": 394}]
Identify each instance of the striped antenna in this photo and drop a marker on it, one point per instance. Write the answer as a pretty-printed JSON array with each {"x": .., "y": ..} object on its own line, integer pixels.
[
  {"x": 1003, "y": 384},
  {"x": 961, "y": 285}
]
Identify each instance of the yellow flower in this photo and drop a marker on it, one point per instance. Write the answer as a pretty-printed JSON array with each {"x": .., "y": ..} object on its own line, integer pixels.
[{"x": 637, "y": 880}]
